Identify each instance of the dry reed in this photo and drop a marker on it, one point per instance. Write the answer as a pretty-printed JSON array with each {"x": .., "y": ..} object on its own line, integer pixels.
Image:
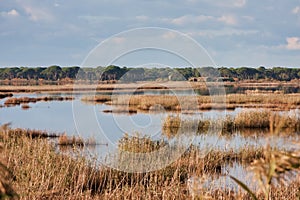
[
  {"x": 252, "y": 119},
  {"x": 41, "y": 173}
]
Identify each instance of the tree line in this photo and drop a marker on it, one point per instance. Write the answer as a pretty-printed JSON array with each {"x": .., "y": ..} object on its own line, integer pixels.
[{"x": 112, "y": 72}]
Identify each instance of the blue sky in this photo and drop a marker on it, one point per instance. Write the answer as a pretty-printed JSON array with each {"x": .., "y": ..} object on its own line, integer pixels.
[{"x": 234, "y": 32}]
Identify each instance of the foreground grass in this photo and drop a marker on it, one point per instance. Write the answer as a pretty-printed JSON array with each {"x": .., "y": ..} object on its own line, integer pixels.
[{"x": 37, "y": 171}]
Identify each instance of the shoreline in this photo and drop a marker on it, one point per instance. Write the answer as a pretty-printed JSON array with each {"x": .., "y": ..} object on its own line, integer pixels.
[{"x": 143, "y": 86}]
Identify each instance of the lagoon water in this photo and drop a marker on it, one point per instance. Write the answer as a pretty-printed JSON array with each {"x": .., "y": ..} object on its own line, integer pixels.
[{"x": 89, "y": 121}]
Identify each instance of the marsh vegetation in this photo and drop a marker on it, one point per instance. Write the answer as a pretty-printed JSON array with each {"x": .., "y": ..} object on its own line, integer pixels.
[
  {"x": 44, "y": 165},
  {"x": 273, "y": 122},
  {"x": 197, "y": 103},
  {"x": 34, "y": 169}
]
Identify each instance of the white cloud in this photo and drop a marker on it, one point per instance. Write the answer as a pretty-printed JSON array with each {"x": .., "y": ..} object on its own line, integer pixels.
[
  {"x": 228, "y": 19},
  {"x": 228, "y": 3},
  {"x": 192, "y": 1},
  {"x": 118, "y": 40},
  {"x": 296, "y": 10},
  {"x": 248, "y": 18},
  {"x": 98, "y": 18},
  {"x": 223, "y": 32},
  {"x": 36, "y": 11},
  {"x": 239, "y": 3},
  {"x": 11, "y": 13},
  {"x": 169, "y": 35},
  {"x": 293, "y": 43},
  {"x": 190, "y": 19},
  {"x": 38, "y": 14},
  {"x": 142, "y": 18}
]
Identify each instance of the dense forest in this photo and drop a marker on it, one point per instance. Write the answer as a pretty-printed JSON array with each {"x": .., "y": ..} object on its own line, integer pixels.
[{"x": 55, "y": 73}]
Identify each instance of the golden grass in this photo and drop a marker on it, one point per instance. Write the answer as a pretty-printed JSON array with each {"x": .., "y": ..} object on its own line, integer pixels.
[
  {"x": 252, "y": 119},
  {"x": 138, "y": 144},
  {"x": 97, "y": 98},
  {"x": 39, "y": 172},
  {"x": 65, "y": 140},
  {"x": 31, "y": 133},
  {"x": 6, "y": 176},
  {"x": 196, "y": 103},
  {"x": 174, "y": 125},
  {"x": 267, "y": 119}
]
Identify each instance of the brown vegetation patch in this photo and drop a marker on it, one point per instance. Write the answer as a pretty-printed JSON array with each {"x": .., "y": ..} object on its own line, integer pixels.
[
  {"x": 252, "y": 119},
  {"x": 25, "y": 106},
  {"x": 4, "y": 95},
  {"x": 25, "y": 100},
  {"x": 196, "y": 103},
  {"x": 97, "y": 98},
  {"x": 65, "y": 140},
  {"x": 121, "y": 111},
  {"x": 31, "y": 133}
]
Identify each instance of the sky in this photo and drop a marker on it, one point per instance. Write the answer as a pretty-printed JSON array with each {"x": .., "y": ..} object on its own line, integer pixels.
[{"x": 233, "y": 32}]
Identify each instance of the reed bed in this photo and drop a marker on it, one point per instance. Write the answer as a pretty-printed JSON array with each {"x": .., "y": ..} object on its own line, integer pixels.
[
  {"x": 4, "y": 95},
  {"x": 209, "y": 161},
  {"x": 136, "y": 144},
  {"x": 156, "y": 102},
  {"x": 31, "y": 133},
  {"x": 97, "y": 98},
  {"x": 121, "y": 110},
  {"x": 173, "y": 125},
  {"x": 194, "y": 103},
  {"x": 281, "y": 101},
  {"x": 39, "y": 172},
  {"x": 267, "y": 119},
  {"x": 65, "y": 140},
  {"x": 25, "y": 100},
  {"x": 252, "y": 119}
]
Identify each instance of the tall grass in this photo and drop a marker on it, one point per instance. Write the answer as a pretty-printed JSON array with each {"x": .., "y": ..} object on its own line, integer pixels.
[
  {"x": 252, "y": 119},
  {"x": 274, "y": 168},
  {"x": 268, "y": 119},
  {"x": 97, "y": 98},
  {"x": 40, "y": 172}
]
